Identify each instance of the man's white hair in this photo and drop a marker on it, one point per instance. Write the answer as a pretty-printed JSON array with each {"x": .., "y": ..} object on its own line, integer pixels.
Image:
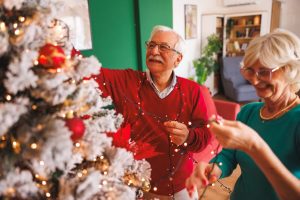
[{"x": 179, "y": 45}]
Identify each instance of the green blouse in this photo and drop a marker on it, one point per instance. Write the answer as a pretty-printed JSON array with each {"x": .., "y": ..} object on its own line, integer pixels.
[{"x": 281, "y": 134}]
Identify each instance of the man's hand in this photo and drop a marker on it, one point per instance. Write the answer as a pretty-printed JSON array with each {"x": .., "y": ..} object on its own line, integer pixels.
[{"x": 178, "y": 131}]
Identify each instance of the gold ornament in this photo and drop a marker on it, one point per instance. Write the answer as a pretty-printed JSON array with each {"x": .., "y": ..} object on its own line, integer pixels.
[
  {"x": 102, "y": 164},
  {"x": 2, "y": 142},
  {"x": 131, "y": 179}
]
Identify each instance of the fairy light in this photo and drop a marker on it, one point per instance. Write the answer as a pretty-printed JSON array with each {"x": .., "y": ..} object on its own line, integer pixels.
[
  {"x": 101, "y": 157},
  {"x": 99, "y": 186},
  {"x": 2, "y": 26},
  {"x": 33, "y": 146},
  {"x": 213, "y": 184},
  {"x": 58, "y": 70},
  {"x": 17, "y": 32},
  {"x": 154, "y": 188},
  {"x": 68, "y": 57},
  {"x": 212, "y": 152},
  {"x": 105, "y": 172},
  {"x": 220, "y": 163},
  {"x": 79, "y": 174},
  {"x": 104, "y": 182},
  {"x": 185, "y": 144},
  {"x": 42, "y": 163},
  {"x": 8, "y": 97},
  {"x": 84, "y": 171},
  {"x": 34, "y": 107},
  {"x": 39, "y": 127},
  {"x": 80, "y": 56},
  {"x": 21, "y": 19},
  {"x": 37, "y": 176},
  {"x": 36, "y": 62},
  {"x": 48, "y": 194},
  {"x": 15, "y": 25},
  {"x": 77, "y": 144},
  {"x": 44, "y": 182},
  {"x": 176, "y": 150}
]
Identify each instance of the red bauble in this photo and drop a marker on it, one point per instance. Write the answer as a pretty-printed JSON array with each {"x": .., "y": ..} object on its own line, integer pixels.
[
  {"x": 51, "y": 56},
  {"x": 77, "y": 128}
]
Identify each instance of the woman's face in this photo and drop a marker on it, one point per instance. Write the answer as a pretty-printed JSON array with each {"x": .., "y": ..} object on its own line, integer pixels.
[{"x": 268, "y": 83}]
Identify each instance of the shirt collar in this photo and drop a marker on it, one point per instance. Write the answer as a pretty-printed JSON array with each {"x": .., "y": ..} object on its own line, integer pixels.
[{"x": 167, "y": 90}]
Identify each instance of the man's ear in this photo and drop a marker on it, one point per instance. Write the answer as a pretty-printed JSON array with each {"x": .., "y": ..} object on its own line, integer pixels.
[{"x": 178, "y": 59}]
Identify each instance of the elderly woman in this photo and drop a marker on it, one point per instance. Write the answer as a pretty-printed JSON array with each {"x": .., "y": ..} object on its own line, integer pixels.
[{"x": 265, "y": 141}]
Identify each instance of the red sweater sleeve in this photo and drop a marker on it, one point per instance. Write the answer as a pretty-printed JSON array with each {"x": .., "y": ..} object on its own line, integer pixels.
[{"x": 199, "y": 135}]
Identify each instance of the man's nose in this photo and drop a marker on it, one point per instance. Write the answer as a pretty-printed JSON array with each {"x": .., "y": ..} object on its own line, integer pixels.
[{"x": 155, "y": 50}]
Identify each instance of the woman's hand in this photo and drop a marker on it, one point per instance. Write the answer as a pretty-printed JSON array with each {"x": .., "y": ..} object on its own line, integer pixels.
[
  {"x": 203, "y": 175},
  {"x": 235, "y": 135},
  {"x": 178, "y": 132}
]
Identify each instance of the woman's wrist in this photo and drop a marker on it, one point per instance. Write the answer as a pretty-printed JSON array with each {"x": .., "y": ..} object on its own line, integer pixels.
[{"x": 256, "y": 146}]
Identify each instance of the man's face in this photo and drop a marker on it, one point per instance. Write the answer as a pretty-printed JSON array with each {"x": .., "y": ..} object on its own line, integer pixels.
[{"x": 160, "y": 59}]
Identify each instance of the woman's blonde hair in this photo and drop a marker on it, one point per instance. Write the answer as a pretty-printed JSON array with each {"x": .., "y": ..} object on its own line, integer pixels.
[{"x": 276, "y": 49}]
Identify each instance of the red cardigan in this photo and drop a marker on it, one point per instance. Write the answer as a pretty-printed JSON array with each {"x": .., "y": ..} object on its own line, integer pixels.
[{"x": 141, "y": 107}]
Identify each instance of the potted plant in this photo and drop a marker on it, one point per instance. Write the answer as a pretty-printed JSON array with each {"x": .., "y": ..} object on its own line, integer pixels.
[{"x": 208, "y": 62}]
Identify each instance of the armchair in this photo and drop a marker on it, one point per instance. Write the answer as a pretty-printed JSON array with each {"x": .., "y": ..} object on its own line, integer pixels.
[
  {"x": 235, "y": 86},
  {"x": 227, "y": 110}
]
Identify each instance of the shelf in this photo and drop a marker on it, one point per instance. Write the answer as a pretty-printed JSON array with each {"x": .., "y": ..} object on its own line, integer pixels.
[{"x": 246, "y": 26}]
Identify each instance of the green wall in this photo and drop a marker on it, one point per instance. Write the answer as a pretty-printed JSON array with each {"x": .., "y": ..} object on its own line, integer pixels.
[
  {"x": 153, "y": 12},
  {"x": 120, "y": 28}
]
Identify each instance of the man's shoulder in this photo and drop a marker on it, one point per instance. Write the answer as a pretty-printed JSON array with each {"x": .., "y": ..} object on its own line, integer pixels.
[
  {"x": 191, "y": 85},
  {"x": 187, "y": 82}
]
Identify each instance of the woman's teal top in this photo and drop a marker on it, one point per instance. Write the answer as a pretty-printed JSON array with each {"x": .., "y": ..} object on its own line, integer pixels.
[{"x": 281, "y": 134}]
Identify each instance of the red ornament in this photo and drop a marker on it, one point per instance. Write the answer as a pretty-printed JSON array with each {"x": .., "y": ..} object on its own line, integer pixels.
[
  {"x": 77, "y": 128},
  {"x": 51, "y": 56}
]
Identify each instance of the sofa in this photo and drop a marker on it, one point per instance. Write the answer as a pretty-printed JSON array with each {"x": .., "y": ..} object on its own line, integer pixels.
[{"x": 234, "y": 85}]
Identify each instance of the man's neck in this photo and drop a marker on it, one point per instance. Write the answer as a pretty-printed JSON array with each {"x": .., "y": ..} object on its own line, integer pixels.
[{"x": 162, "y": 81}]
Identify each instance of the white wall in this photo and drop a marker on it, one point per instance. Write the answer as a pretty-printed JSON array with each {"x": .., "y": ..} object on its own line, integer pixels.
[
  {"x": 185, "y": 69},
  {"x": 290, "y": 15}
]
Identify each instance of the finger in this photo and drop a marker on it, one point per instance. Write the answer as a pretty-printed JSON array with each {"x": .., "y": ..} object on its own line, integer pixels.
[
  {"x": 200, "y": 173},
  {"x": 174, "y": 124}
]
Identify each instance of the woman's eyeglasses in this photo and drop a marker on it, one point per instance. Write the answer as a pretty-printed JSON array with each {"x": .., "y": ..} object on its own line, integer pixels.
[
  {"x": 161, "y": 47},
  {"x": 263, "y": 74}
]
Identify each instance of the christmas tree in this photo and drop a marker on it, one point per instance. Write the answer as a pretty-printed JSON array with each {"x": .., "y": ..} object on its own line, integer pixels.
[{"x": 54, "y": 125}]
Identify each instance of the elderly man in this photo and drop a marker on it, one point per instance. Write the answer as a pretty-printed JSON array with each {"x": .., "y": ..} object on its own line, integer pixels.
[{"x": 163, "y": 110}]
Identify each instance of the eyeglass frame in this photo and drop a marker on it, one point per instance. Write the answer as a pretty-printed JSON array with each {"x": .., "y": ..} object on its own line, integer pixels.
[
  {"x": 159, "y": 45},
  {"x": 258, "y": 73}
]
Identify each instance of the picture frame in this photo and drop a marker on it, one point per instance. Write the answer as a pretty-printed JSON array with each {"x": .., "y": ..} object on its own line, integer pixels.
[
  {"x": 190, "y": 16},
  {"x": 77, "y": 18}
]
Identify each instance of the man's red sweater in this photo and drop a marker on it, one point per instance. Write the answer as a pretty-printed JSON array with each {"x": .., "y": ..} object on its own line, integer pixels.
[{"x": 188, "y": 103}]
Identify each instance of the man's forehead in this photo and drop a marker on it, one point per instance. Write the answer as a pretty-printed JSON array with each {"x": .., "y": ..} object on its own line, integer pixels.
[{"x": 165, "y": 37}]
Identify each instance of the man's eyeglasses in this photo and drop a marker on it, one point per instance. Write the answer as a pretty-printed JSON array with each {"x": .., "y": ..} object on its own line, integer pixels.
[
  {"x": 263, "y": 74},
  {"x": 161, "y": 47}
]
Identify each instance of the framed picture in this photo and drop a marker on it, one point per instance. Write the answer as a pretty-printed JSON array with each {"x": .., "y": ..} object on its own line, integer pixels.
[
  {"x": 77, "y": 17},
  {"x": 190, "y": 14}
]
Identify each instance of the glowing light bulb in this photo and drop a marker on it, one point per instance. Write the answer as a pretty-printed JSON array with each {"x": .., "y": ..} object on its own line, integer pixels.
[
  {"x": 8, "y": 97},
  {"x": 77, "y": 144},
  {"x": 33, "y": 146}
]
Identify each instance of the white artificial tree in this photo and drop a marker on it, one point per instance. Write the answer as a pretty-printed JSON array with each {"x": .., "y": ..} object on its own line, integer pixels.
[{"x": 53, "y": 121}]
